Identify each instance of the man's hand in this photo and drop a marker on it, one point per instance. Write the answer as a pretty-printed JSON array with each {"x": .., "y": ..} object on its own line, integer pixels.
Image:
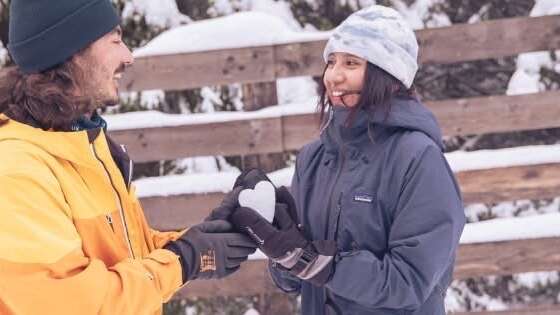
[
  {"x": 211, "y": 250},
  {"x": 228, "y": 205}
]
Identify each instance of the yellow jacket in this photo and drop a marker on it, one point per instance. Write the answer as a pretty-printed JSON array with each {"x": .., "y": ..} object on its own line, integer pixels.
[{"x": 73, "y": 236}]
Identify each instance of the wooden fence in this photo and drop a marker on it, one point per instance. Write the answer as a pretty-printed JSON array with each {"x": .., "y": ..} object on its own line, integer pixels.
[{"x": 263, "y": 65}]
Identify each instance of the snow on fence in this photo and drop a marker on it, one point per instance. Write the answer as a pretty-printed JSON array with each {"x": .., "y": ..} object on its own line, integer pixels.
[{"x": 285, "y": 128}]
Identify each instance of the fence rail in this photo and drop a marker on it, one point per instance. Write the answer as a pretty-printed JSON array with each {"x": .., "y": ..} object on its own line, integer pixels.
[
  {"x": 463, "y": 116},
  {"x": 457, "y": 43}
]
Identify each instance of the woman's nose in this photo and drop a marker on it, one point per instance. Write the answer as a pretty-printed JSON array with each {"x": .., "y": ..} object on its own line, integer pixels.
[{"x": 336, "y": 75}]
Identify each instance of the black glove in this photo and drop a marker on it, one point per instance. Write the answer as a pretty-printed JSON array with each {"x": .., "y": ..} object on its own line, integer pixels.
[
  {"x": 228, "y": 205},
  {"x": 247, "y": 179},
  {"x": 285, "y": 244},
  {"x": 210, "y": 250}
]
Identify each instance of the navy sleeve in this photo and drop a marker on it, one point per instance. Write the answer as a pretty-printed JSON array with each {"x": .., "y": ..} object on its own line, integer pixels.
[
  {"x": 428, "y": 222},
  {"x": 284, "y": 280}
]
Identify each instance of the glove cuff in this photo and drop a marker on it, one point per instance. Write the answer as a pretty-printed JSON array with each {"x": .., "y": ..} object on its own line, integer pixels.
[
  {"x": 315, "y": 263},
  {"x": 186, "y": 255}
]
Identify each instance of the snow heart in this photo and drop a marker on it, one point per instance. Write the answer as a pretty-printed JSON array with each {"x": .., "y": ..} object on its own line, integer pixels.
[{"x": 261, "y": 199}]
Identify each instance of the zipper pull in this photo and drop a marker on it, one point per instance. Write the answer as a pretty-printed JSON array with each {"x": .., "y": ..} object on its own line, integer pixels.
[{"x": 110, "y": 221}]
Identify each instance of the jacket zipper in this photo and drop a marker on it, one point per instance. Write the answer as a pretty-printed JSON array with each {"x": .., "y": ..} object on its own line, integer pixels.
[
  {"x": 119, "y": 202},
  {"x": 338, "y": 213},
  {"x": 332, "y": 230},
  {"x": 326, "y": 292},
  {"x": 110, "y": 221},
  {"x": 331, "y": 194}
]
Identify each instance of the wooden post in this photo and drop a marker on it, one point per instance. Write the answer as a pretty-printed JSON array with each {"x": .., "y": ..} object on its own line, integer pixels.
[{"x": 257, "y": 96}]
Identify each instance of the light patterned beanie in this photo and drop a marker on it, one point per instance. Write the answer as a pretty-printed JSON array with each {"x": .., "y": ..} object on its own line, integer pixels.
[{"x": 381, "y": 36}]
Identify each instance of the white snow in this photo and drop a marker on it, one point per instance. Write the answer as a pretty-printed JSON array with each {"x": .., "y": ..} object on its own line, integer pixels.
[
  {"x": 251, "y": 312},
  {"x": 296, "y": 90},
  {"x": 516, "y": 228},
  {"x": 147, "y": 98},
  {"x": 198, "y": 183},
  {"x": 545, "y": 7},
  {"x": 232, "y": 31},
  {"x": 162, "y": 13},
  {"x": 419, "y": 16},
  {"x": 280, "y": 9},
  {"x": 517, "y": 156},
  {"x": 3, "y": 53},
  {"x": 151, "y": 119},
  {"x": 205, "y": 164},
  {"x": 518, "y": 208},
  {"x": 534, "y": 279},
  {"x": 526, "y": 78}
]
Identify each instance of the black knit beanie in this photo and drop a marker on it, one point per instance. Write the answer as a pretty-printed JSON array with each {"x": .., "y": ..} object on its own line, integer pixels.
[{"x": 45, "y": 33}]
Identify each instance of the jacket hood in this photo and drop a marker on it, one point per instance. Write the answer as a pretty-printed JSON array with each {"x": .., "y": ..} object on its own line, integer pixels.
[
  {"x": 71, "y": 147},
  {"x": 409, "y": 113},
  {"x": 406, "y": 113}
]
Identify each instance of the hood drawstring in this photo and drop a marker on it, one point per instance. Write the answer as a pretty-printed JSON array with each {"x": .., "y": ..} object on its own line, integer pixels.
[{"x": 326, "y": 124}]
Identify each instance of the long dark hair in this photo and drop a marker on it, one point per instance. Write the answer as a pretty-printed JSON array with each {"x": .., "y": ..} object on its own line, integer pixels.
[
  {"x": 45, "y": 100},
  {"x": 378, "y": 89}
]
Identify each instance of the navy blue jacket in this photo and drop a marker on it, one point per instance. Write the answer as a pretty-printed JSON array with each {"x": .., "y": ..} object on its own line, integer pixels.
[{"x": 384, "y": 191}]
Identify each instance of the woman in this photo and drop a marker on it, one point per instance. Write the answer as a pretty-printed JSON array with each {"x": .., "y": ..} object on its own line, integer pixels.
[{"x": 376, "y": 185}]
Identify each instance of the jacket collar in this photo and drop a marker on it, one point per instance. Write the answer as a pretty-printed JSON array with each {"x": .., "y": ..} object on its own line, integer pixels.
[
  {"x": 337, "y": 135},
  {"x": 73, "y": 146},
  {"x": 372, "y": 127}
]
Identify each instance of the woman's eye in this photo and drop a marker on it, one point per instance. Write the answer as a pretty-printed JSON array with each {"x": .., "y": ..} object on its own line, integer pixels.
[{"x": 330, "y": 62}]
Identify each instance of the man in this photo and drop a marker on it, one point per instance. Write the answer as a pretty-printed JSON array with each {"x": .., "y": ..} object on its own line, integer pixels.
[{"x": 73, "y": 237}]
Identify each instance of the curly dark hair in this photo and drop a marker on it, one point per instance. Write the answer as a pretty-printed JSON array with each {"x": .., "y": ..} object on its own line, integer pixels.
[{"x": 46, "y": 100}]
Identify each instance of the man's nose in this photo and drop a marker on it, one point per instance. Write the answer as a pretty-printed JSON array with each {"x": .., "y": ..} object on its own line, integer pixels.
[{"x": 128, "y": 57}]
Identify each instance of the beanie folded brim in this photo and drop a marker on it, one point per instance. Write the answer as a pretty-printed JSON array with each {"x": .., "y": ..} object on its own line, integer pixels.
[{"x": 61, "y": 41}]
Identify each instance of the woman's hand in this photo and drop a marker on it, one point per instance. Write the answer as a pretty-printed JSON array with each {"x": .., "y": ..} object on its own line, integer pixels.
[
  {"x": 285, "y": 244},
  {"x": 247, "y": 179}
]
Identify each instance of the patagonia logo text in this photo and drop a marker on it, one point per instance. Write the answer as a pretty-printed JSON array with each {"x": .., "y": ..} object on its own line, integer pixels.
[{"x": 363, "y": 198}]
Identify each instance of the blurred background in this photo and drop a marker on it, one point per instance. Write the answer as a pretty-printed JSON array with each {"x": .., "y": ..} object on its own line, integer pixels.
[{"x": 254, "y": 22}]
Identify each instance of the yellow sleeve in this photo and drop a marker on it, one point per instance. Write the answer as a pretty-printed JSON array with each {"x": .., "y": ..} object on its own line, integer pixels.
[
  {"x": 43, "y": 268},
  {"x": 156, "y": 239}
]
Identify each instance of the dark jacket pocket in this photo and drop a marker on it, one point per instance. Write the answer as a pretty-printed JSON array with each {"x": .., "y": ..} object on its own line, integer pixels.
[{"x": 361, "y": 223}]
